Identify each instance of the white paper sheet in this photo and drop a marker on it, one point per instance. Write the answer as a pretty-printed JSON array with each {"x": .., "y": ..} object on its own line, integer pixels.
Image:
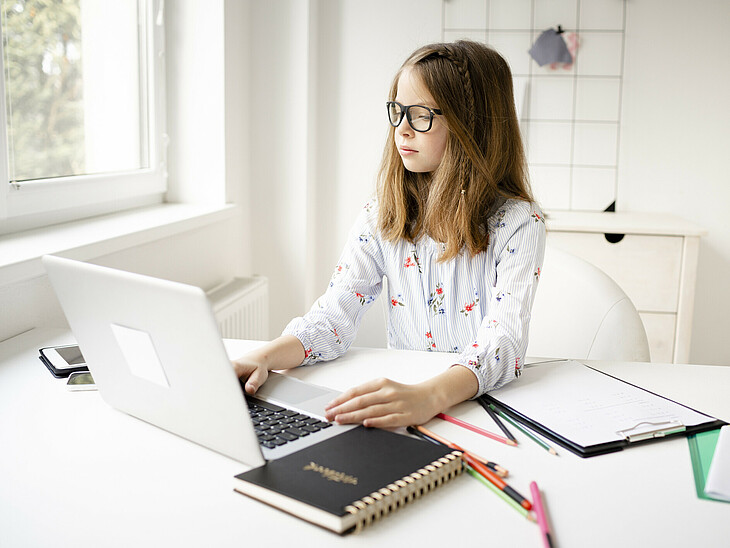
[
  {"x": 588, "y": 407},
  {"x": 718, "y": 478}
]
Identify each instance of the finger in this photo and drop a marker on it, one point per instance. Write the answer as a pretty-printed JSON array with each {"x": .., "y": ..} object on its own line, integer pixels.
[
  {"x": 382, "y": 419},
  {"x": 369, "y": 401},
  {"x": 362, "y": 414},
  {"x": 357, "y": 391},
  {"x": 387, "y": 421},
  {"x": 239, "y": 368},
  {"x": 255, "y": 380}
]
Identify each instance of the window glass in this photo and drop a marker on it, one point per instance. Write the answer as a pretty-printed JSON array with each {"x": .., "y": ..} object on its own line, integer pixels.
[{"x": 75, "y": 88}]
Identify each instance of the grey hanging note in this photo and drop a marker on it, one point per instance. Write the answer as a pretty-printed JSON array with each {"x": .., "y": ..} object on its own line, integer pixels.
[{"x": 550, "y": 48}]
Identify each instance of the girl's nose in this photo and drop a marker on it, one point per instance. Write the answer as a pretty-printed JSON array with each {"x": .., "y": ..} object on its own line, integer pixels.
[{"x": 404, "y": 128}]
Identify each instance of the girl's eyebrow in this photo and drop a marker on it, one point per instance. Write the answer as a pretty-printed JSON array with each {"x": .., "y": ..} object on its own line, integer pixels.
[{"x": 421, "y": 104}]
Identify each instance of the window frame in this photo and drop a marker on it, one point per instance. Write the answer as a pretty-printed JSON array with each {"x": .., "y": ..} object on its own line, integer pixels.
[{"x": 32, "y": 204}]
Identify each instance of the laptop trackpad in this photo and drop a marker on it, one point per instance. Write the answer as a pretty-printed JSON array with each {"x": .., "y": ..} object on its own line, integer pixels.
[{"x": 290, "y": 390}]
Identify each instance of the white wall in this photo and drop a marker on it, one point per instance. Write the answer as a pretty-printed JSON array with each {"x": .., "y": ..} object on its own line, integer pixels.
[
  {"x": 674, "y": 137},
  {"x": 280, "y": 161},
  {"x": 675, "y": 141},
  {"x": 333, "y": 57}
]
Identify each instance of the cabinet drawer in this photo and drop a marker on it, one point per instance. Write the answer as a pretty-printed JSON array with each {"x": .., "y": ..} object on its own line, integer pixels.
[
  {"x": 660, "y": 330},
  {"x": 647, "y": 268}
]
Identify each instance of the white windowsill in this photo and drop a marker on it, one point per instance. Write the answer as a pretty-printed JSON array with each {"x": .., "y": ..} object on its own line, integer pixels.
[{"x": 87, "y": 239}]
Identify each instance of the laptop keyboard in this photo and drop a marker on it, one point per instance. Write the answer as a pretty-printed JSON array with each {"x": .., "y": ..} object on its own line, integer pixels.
[{"x": 275, "y": 425}]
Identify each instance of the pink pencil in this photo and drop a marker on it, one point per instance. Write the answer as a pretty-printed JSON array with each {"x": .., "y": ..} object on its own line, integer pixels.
[
  {"x": 473, "y": 428},
  {"x": 540, "y": 512}
]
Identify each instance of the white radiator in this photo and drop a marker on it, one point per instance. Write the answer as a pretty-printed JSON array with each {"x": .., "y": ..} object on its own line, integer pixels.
[{"x": 241, "y": 307}]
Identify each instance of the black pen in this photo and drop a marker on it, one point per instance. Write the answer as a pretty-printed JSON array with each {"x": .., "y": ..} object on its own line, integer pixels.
[{"x": 496, "y": 419}]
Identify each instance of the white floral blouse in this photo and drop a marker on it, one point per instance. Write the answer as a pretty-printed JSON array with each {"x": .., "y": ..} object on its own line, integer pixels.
[{"x": 475, "y": 306}]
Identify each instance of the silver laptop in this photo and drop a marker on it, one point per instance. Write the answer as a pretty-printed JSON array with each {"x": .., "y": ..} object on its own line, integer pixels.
[{"x": 155, "y": 352}]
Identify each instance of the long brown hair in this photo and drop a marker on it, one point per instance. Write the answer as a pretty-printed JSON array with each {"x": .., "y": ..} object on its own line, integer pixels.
[{"x": 483, "y": 162}]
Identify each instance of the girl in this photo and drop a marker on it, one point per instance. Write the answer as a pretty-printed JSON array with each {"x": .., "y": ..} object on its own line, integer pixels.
[{"x": 455, "y": 231}]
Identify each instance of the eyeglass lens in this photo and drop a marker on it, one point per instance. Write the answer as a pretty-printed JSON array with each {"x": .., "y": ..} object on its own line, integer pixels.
[{"x": 419, "y": 117}]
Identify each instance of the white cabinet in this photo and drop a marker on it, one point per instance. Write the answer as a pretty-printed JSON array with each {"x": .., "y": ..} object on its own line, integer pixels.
[{"x": 652, "y": 256}]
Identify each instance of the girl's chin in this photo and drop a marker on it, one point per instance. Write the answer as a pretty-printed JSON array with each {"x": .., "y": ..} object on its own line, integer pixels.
[{"x": 414, "y": 167}]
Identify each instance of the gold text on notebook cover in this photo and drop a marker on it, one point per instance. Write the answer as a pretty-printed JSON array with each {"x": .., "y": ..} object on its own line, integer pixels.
[{"x": 331, "y": 475}]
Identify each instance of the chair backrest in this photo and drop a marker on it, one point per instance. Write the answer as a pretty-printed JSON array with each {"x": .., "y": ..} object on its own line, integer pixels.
[{"x": 580, "y": 312}]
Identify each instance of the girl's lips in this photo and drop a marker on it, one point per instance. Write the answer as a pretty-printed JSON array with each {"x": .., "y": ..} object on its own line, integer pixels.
[{"x": 406, "y": 150}]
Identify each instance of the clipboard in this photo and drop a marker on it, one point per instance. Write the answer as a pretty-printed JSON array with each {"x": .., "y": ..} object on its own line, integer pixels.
[{"x": 590, "y": 413}]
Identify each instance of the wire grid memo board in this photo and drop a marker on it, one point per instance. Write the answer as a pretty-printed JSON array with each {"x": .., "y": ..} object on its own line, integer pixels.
[{"x": 570, "y": 115}]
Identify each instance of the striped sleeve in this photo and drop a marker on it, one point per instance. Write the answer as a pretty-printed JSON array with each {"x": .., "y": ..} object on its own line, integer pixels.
[
  {"x": 498, "y": 351},
  {"x": 330, "y": 326}
]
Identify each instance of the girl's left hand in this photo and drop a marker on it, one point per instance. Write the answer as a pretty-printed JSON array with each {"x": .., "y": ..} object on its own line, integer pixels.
[{"x": 383, "y": 403}]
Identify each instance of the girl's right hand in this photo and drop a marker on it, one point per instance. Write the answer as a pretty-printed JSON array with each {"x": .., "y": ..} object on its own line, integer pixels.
[
  {"x": 253, "y": 367},
  {"x": 252, "y": 371}
]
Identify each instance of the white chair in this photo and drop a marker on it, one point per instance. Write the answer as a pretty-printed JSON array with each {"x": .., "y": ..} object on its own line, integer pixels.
[{"x": 581, "y": 313}]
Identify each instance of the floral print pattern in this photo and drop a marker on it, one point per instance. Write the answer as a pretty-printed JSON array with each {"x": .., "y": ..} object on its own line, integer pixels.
[
  {"x": 412, "y": 260},
  {"x": 340, "y": 269},
  {"x": 436, "y": 300},
  {"x": 430, "y": 344},
  {"x": 469, "y": 307},
  {"x": 499, "y": 218},
  {"x": 364, "y": 299},
  {"x": 309, "y": 352},
  {"x": 476, "y": 306}
]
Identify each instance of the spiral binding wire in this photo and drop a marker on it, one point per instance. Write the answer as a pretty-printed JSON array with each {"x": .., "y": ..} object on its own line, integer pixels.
[{"x": 399, "y": 493}]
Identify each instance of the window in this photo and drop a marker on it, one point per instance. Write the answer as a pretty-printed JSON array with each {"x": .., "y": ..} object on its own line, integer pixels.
[{"x": 82, "y": 119}]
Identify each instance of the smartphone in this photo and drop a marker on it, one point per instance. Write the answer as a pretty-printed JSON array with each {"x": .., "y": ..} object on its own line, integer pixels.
[
  {"x": 81, "y": 380},
  {"x": 63, "y": 360}
]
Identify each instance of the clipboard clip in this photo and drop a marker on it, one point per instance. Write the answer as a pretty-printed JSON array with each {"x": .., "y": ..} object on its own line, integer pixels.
[{"x": 645, "y": 430}]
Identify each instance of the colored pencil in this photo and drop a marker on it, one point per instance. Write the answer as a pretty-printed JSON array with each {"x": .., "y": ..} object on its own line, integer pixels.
[
  {"x": 472, "y": 460},
  {"x": 426, "y": 432},
  {"x": 501, "y": 494},
  {"x": 496, "y": 481},
  {"x": 476, "y": 429},
  {"x": 542, "y": 522},
  {"x": 496, "y": 419},
  {"x": 525, "y": 432},
  {"x": 493, "y": 466}
]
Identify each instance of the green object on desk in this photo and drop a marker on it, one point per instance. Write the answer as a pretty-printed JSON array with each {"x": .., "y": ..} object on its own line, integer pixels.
[
  {"x": 501, "y": 494},
  {"x": 701, "y": 449}
]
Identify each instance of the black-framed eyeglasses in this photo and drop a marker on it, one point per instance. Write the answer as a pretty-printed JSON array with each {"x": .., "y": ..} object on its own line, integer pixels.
[{"x": 420, "y": 118}]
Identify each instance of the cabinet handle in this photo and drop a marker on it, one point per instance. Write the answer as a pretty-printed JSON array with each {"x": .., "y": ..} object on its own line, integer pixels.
[{"x": 613, "y": 238}]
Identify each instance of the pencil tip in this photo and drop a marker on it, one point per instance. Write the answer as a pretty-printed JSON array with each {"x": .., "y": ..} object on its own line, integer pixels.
[
  {"x": 510, "y": 442},
  {"x": 553, "y": 451}
]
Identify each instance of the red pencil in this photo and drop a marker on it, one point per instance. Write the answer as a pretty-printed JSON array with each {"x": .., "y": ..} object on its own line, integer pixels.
[
  {"x": 475, "y": 462},
  {"x": 476, "y": 429}
]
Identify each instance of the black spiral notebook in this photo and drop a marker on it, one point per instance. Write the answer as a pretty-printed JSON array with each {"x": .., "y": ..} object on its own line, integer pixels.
[{"x": 353, "y": 479}]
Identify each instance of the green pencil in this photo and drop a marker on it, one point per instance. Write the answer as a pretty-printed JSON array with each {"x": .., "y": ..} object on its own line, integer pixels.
[
  {"x": 525, "y": 432},
  {"x": 501, "y": 494}
]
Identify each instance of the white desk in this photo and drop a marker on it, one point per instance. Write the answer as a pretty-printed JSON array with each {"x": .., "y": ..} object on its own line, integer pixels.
[{"x": 75, "y": 472}]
